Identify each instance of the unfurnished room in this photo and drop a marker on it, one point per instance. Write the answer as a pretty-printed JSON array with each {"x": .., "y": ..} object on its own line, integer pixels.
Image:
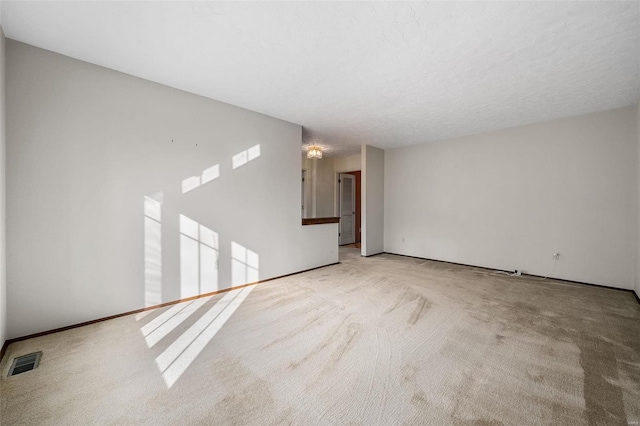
[{"x": 319, "y": 213}]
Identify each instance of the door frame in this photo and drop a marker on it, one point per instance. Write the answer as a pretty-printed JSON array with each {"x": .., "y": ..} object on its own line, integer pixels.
[
  {"x": 337, "y": 200},
  {"x": 345, "y": 181}
]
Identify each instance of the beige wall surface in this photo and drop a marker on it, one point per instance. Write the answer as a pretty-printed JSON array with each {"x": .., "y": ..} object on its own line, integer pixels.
[
  {"x": 509, "y": 199},
  {"x": 373, "y": 199},
  {"x": 124, "y": 193},
  {"x": 3, "y": 208},
  {"x": 324, "y": 191},
  {"x": 637, "y": 260},
  {"x": 319, "y": 190},
  {"x": 351, "y": 163}
]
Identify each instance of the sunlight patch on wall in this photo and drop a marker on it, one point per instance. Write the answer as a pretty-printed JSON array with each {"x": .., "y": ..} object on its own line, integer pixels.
[
  {"x": 244, "y": 265},
  {"x": 199, "y": 256},
  {"x": 208, "y": 175},
  {"x": 175, "y": 360},
  {"x": 190, "y": 184},
  {"x": 153, "y": 249},
  {"x": 242, "y": 158}
]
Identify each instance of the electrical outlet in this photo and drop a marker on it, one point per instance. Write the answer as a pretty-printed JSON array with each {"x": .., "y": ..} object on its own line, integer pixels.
[
  {"x": 556, "y": 256},
  {"x": 403, "y": 239}
]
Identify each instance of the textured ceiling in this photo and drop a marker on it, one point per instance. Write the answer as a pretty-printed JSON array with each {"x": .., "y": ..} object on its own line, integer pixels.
[{"x": 388, "y": 74}]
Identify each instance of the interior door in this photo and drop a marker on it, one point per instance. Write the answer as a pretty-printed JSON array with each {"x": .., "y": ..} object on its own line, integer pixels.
[{"x": 347, "y": 209}]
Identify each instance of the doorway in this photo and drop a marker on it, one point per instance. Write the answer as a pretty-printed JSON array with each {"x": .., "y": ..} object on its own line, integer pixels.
[{"x": 349, "y": 208}]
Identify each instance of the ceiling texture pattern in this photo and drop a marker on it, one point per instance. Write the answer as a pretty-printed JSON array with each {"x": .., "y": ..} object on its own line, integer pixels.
[{"x": 388, "y": 74}]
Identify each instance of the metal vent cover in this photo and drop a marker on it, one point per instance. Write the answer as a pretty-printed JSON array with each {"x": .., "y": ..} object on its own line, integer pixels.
[{"x": 25, "y": 363}]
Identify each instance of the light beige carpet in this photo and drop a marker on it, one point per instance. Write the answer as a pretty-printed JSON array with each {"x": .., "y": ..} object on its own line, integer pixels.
[{"x": 382, "y": 340}]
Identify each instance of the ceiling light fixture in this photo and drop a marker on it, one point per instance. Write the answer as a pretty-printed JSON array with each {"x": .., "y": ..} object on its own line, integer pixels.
[{"x": 314, "y": 152}]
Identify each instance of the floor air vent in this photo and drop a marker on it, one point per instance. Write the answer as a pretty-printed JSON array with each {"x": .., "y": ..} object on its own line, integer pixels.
[{"x": 25, "y": 363}]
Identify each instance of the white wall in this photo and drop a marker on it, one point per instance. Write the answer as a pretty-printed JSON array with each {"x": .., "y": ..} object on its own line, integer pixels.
[
  {"x": 3, "y": 209},
  {"x": 509, "y": 199},
  {"x": 373, "y": 200},
  {"x": 637, "y": 217},
  {"x": 97, "y": 165}
]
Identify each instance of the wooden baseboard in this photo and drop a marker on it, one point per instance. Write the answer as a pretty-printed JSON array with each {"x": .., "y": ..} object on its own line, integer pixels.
[
  {"x": 529, "y": 275},
  {"x": 320, "y": 220},
  {"x": 4, "y": 349},
  {"x": 137, "y": 311},
  {"x": 69, "y": 327}
]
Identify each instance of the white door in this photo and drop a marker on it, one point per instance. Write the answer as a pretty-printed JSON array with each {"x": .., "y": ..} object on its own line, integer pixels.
[{"x": 347, "y": 209}]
